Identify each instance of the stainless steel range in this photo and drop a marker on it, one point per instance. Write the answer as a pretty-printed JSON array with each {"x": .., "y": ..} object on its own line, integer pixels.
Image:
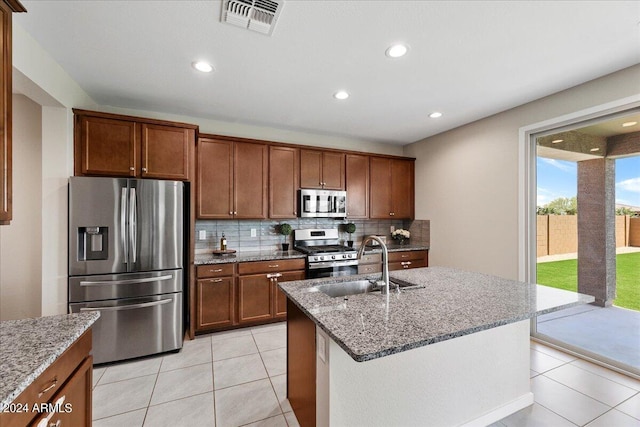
[{"x": 325, "y": 256}]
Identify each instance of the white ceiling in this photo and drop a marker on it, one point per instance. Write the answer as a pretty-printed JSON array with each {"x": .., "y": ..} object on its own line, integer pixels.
[{"x": 468, "y": 60}]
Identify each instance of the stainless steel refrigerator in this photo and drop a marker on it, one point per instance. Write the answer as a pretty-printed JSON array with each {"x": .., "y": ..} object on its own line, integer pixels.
[{"x": 126, "y": 247}]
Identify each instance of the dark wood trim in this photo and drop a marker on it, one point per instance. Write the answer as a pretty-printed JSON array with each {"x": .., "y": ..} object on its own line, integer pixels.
[
  {"x": 301, "y": 146},
  {"x": 301, "y": 365},
  {"x": 145, "y": 120},
  {"x": 15, "y": 6}
]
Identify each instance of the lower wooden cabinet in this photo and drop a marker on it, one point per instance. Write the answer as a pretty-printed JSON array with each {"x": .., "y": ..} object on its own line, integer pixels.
[
  {"x": 408, "y": 259},
  {"x": 229, "y": 295},
  {"x": 61, "y": 395},
  {"x": 259, "y": 298}
]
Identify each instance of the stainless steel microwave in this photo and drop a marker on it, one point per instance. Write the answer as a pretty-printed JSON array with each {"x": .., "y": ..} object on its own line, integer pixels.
[{"x": 322, "y": 203}]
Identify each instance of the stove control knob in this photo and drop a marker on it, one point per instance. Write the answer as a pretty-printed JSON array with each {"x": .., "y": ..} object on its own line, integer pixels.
[
  {"x": 333, "y": 257},
  {"x": 345, "y": 256},
  {"x": 321, "y": 258}
]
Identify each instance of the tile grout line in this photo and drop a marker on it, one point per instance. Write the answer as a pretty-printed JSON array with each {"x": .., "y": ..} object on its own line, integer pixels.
[{"x": 578, "y": 391}]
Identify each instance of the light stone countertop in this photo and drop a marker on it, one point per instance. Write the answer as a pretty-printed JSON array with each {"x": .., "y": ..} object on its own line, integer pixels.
[
  {"x": 452, "y": 303},
  {"x": 270, "y": 255},
  {"x": 29, "y": 346}
]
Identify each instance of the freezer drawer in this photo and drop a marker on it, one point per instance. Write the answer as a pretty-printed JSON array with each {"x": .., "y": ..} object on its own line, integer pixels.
[
  {"x": 126, "y": 285},
  {"x": 135, "y": 327}
]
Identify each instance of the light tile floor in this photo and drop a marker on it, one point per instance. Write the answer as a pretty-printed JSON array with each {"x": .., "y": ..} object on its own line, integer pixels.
[{"x": 238, "y": 378}]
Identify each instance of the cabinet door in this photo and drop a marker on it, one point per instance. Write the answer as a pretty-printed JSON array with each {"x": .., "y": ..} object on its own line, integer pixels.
[
  {"x": 333, "y": 170},
  {"x": 402, "y": 193},
  {"x": 165, "y": 152},
  {"x": 284, "y": 170},
  {"x": 255, "y": 298},
  {"x": 215, "y": 179},
  {"x": 74, "y": 398},
  {"x": 216, "y": 303},
  {"x": 107, "y": 146},
  {"x": 310, "y": 169},
  {"x": 250, "y": 180},
  {"x": 357, "y": 185},
  {"x": 279, "y": 298},
  {"x": 380, "y": 188}
]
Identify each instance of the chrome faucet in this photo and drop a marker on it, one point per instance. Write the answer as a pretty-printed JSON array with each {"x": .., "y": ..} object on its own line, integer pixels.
[{"x": 385, "y": 261}]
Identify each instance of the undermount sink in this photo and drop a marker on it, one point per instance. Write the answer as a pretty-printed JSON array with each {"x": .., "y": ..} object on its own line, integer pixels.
[
  {"x": 359, "y": 287},
  {"x": 348, "y": 288}
]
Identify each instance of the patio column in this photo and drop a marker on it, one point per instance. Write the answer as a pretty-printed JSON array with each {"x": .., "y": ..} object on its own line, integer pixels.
[{"x": 596, "y": 230}]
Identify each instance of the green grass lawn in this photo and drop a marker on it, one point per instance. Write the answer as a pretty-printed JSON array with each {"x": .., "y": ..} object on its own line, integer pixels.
[{"x": 564, "y": 275}]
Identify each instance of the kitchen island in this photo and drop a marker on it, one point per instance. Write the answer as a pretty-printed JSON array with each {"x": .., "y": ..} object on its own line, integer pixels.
[
  {"x": 452, "y": 351},
  {"x": 46, "y": 361}
]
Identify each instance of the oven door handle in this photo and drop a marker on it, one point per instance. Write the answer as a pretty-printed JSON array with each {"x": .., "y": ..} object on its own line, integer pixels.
[{"x": 318, "y": 265}]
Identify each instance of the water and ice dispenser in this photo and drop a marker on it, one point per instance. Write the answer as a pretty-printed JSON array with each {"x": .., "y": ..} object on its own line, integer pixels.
[{"x": 93, "y": 243}]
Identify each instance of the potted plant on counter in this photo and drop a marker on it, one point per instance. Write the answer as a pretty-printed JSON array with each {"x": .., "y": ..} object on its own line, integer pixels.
[
  {"x": 285, "y": 230},
  {"x": 350, "y": 228}
]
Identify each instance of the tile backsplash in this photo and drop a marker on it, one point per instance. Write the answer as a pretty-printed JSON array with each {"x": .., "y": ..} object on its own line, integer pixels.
[{"x": 239, "y": 232}]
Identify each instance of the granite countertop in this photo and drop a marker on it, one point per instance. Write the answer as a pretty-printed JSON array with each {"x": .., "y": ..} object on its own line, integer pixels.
[
  {"x": 29, "y": 346},
  {"x": 209, "y": 258},
  {"x": 452, "y": 303}
]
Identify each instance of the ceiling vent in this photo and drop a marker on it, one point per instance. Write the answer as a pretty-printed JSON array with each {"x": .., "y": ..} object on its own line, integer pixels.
[{"x": 256, "y": 15}]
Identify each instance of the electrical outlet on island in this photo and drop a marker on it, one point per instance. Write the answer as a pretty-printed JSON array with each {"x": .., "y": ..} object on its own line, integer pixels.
[{"x": 392, "y": 228}]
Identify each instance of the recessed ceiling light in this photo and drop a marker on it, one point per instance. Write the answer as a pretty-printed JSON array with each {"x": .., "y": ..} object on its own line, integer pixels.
[
  {"x": 595, "y": 149},
  {"x": 341, "y": 94},
  {"x": 397, "y": 50},
  {"x": 203, "y": 66},
  {"x": 435, "y": 115},
  {"x": 555, "y": 141},
  {"x": 627, "y": 124}
]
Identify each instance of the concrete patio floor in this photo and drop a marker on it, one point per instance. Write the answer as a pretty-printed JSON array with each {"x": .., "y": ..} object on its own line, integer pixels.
[{"x": 608, "y": 333}]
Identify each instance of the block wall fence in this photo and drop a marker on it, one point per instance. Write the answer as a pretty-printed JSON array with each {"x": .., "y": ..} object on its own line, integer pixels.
[{"x": 558, "y": 234}]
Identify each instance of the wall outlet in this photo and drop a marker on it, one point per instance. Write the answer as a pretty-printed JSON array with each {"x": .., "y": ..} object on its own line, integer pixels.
[
  {"x": 392, "y": 228},
  {"x": 253, "y": 232},
  {"x": 202, "y": 234}
]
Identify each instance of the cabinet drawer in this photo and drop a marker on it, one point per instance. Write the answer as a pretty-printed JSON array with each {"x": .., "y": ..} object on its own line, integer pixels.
[
  {"x": 370, "y": 259},
  {"x": 403, "y": 265},
  {"x": 215, "y": 270},
  {"x": 407, "y": 256},
  {"x": 268, "y": 266},
  {"x": 49, "y": 382},
  {"x": 370, "y": 268}
]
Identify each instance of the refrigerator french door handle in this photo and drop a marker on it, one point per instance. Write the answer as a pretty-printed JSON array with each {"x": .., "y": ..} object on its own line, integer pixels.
[
  {"x": 133, "y": 224},
  {"x": 127, "y": 282},
  {"x": 123, "y": 222},
  {"x": 128, "y": 307}
]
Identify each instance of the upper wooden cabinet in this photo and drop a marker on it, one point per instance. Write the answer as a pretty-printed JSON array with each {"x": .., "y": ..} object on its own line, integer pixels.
[
  {"x": 284, "y": 166},
  {"x": 392, "y": 188},
  {"x": 7, "y": 7},
  {"x": 357, "y": 185},
  {"x": 112, "y": 145},
  {"x": 232, "y": 179},
  {"x": 322, "y": 169}
]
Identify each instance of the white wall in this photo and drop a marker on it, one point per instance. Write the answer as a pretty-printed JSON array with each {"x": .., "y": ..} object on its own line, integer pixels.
[
  {"x": 21, "y": 241},
  {"x": 467, "y": 178}
]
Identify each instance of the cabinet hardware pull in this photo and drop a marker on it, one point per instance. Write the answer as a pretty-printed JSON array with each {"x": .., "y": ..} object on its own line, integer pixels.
[
  {"x": 45, "y": 421},
  {"x": 131, "y": 168},
  {"x": 230, "y": 212},
  {"x": 274, "y": 276},
  {"x": 52, "y": 385},
  {"x": 274, "y": 266},
  {"x": 217, "y": 270},
  {"x": 144, "y": 169},
  {"x": 404, "y": 256},
  {"x": 216, "y": 280}
]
